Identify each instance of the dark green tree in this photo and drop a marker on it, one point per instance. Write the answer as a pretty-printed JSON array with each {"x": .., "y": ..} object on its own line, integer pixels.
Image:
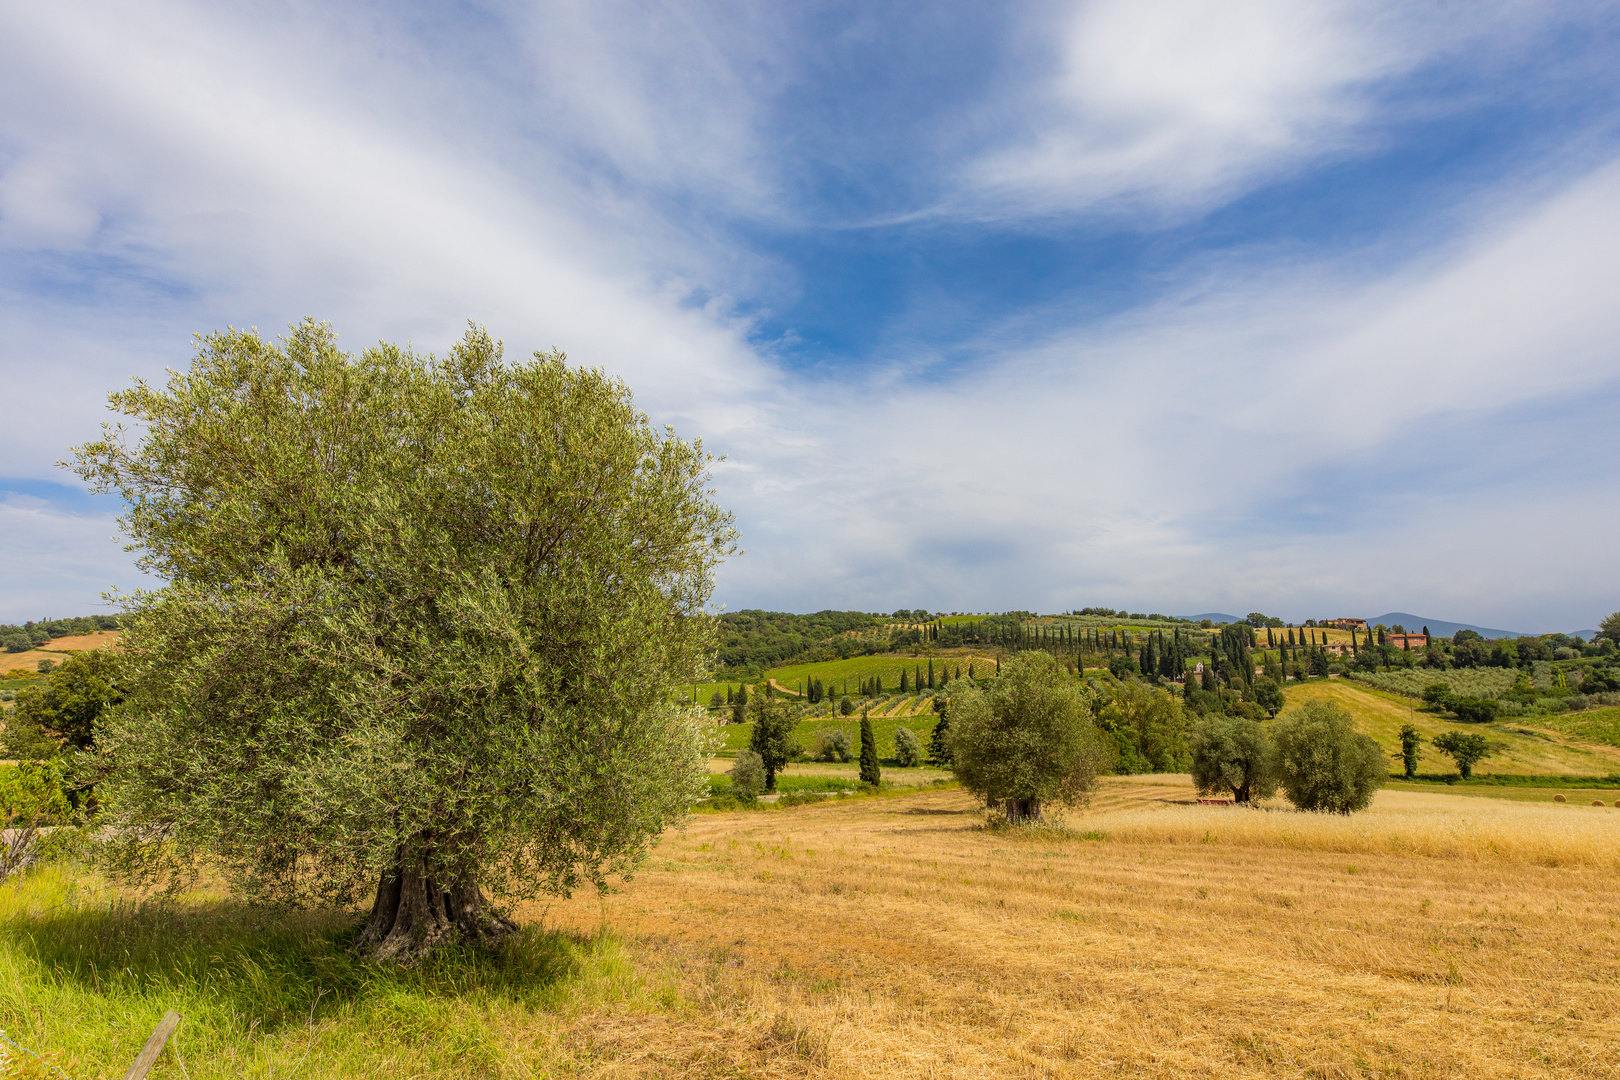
[
  {"x": 1026, "y": 738},
  {"x": 1465, "y": 749},
  {"x": 772, "y": 738},
  {"x": 1411, "y": 742},
  {"x": 939, "y": 744},
  {"x": 871, "y": 773}
]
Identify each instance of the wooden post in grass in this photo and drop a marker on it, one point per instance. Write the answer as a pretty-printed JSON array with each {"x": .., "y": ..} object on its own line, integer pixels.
[{"x": 154, "y": 1046}]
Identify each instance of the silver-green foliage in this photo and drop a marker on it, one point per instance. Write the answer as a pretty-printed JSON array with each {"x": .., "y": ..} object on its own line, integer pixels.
[
  {"x": 747, "y": 774},
  {"x": 1323, "y": 763},
  {"x": 1233, "y": 754},
  {"x": 1465, "y": 682},
  {"x": 1026, "y": 736},
  {"x": 422, "y": 616},
  {"x": 908, "y": 749}
]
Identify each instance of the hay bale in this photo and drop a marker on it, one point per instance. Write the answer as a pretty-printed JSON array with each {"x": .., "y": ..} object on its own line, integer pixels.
[
  {"x": 1559, "y": 798},
  {"x": 1597, "y": 802}
]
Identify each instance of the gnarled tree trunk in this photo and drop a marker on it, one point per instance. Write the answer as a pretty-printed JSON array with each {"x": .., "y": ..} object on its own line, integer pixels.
[
  {"x": 416, "y": 913},
  {"x": 1023, "y": 810}
]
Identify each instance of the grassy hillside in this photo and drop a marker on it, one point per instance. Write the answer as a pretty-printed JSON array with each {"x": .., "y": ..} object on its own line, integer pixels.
[{"x": 1530, "y": 746}]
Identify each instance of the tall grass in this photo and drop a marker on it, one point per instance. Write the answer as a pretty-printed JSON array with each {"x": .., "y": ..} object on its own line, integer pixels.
[
  {"x": 1532, "y": 834},
  {"x": 86, "y": 972}
]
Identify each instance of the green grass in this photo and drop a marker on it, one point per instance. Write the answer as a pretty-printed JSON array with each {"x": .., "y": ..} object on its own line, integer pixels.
[
  {"x": 85, "y": 974},
  {"x": 1594, "y": 725}
]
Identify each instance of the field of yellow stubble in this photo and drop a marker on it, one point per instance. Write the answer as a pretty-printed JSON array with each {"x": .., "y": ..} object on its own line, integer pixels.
[{"x": 898, "y": 937}]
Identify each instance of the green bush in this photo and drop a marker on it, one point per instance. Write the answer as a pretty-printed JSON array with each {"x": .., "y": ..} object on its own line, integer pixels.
[
  {"x": 908, "y": 749},
  {"x": 1323, "y": 763},
  {"x": 831, "y": 744},
  {"x": 747, "y": 775}
]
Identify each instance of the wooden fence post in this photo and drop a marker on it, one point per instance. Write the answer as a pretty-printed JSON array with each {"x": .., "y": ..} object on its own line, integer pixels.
[{"x": 154, "y": 1046}]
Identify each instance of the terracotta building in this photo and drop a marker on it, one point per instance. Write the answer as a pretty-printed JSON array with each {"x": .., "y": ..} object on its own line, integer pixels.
[
  {"x": 1347, "y": 624},
  {"x": 1406, "y": 641}
]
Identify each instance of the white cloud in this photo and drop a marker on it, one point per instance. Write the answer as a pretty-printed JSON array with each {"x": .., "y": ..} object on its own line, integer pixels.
[
  {"x": 245, "y": 173},
  {"x": 1174, "y": 106}
]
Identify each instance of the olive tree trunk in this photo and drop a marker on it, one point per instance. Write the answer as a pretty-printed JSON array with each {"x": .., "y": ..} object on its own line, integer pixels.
[
  {"x": 1023, "y": 810},
  {"x": 416, "y": 913}
]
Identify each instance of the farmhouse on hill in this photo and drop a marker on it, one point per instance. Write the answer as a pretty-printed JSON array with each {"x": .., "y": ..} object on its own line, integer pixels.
[
  {"x": 1346, "y": 624},
  {"x": 1407, "y": 641}
]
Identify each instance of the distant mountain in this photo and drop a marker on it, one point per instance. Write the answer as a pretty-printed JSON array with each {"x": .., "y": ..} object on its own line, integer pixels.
[
  {"x": 1213, "y": 616},
  {"x": 1439, "y": 627}
]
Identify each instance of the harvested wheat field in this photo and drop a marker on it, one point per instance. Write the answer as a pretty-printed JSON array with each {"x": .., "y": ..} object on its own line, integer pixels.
[{"x": 1429, "y": 936}]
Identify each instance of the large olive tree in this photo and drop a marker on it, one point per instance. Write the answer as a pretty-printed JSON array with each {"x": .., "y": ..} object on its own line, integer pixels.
[
  {"x": 421, "y": 624},
  {"x": 1025, "y": 738}
]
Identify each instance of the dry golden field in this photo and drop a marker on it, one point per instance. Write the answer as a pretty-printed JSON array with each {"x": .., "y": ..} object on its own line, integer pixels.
[
  {"x": 1430, "y": 936},
  {"x": 29, "y": 661}
]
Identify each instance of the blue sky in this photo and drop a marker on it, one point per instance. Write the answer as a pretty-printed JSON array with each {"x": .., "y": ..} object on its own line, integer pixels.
[{"x": 1301, "y": 307}]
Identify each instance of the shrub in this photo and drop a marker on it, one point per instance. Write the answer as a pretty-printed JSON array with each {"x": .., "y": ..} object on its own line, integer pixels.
[
  {"x": 908, "y": 750},
  {"x": 846, "y": 707},
  {"x": 832, "y": 745},
  {"x": 747, "y": 775},
  {"x": 1232, "y": 753},
  {"x": 1472, "y": 710},
  {"x": 1323, "y": 762}
]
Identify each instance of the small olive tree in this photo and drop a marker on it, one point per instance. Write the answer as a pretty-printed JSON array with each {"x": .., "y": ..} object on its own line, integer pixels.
[
  {"x": 1232, "y": 753},
  {"x": 1025, "y": 738},
  {"x": 422, "y": 624},
  {"x": 1323, "y": 763}
]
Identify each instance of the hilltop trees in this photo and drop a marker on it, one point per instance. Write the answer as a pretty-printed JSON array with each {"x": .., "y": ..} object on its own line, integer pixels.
[
  {"x": 422, "y": 622},
  {"x": 1026, "y": 738}
]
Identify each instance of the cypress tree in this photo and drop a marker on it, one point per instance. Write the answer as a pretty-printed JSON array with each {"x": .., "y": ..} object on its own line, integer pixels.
[
  {"x": 998, "y": 665},
  {"x": 970, "y": 669},
  {"x": 870, "y": 773},
  {"x": 1209, "y": 675},
  {"x": 930, "y": 674},
  {"x": 902, "y": 680}
]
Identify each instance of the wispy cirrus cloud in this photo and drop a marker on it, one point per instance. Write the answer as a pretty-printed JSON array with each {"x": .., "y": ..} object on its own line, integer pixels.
[{"x": 859, "y": 250}]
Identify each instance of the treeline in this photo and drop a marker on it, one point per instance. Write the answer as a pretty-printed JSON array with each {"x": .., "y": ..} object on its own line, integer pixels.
[
  {"x": 31, "y": 635},
  {"x": 756, "y": 640}
]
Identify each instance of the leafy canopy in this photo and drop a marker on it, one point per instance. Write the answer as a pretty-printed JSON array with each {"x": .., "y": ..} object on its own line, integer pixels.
[
  {"x": 1323, "y": 762},
  {"x": 419, "y": 610},
  {"x": 1027, "y": 735},
  {"x": 1232, "y": 753}
]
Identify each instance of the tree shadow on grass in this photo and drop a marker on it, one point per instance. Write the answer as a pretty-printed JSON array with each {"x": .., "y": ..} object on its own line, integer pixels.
[{"x": 273, "y": 967}]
